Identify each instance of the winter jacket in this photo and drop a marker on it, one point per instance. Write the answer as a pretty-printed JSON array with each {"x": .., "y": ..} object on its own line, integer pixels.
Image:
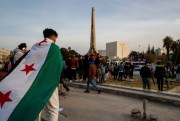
[
  {"x": 92, "y": 72},
  {"x": 159, "y": 72},
  {"x": 120, "y": 68},
  {"x": 17, "y": 55},
  {"x": 145, "y": 72}
]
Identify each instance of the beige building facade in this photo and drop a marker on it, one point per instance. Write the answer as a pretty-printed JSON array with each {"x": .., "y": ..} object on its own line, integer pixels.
[
  {"x": 3, "y": 55},
  {"x": 102, "y": 52},
  {"x": 117, "y": 49},
  {"x": 158, "y": 51}
]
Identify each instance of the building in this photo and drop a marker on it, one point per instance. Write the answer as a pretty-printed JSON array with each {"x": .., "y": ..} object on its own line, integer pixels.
[
  {"x": 117, "y": 49},
  {"x": 3, "y": 55},
  {"x": 158, "y": 52},
  {"x": 102, "y": 52}
]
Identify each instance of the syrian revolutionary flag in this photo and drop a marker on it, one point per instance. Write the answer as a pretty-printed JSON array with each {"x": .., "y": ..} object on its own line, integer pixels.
[{"x": 26, "y": 90}]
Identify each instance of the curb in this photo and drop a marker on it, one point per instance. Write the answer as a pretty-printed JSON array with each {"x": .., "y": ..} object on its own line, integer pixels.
[{"x": 166, "y": 98}]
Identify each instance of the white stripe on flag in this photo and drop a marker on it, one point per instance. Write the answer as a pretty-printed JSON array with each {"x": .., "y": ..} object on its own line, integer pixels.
[{"x": 18, "y": 82}]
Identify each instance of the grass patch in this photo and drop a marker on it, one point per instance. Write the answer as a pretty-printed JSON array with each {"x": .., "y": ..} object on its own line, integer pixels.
[{"x": 137, "y": 83}]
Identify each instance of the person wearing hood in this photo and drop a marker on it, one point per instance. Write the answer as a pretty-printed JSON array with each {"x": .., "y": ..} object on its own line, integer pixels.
[
  {"x": 92, "y": 72},
  {"x": 19, "y": 52}
]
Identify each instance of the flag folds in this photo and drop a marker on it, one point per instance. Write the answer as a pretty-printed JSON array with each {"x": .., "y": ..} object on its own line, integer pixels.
[{"x": 26, "y": 90}]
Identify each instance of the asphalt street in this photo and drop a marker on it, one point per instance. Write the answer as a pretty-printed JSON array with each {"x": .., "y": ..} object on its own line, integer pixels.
[{"x": 80, "y": 106}]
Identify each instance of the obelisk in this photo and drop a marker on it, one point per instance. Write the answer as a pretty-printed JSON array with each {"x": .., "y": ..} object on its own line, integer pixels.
[{"x": 92, "y": 48}]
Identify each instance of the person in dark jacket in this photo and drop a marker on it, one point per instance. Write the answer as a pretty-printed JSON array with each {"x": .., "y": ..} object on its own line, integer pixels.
[
  {"x": 63, "y": 75},
  {"x": 146, "y": 76},
  {"x": 115, "y": 71},
  {"x": 92, "y": 72},
  {"x": 159, "y": 74},
  {"x": 80, "y": 68},
  {"x": 178, "y": 73},
  {"x": 120, "y": 71}
]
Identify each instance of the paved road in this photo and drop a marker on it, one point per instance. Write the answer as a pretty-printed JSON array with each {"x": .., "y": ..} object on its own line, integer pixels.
[{"x": 79, "y": 106}]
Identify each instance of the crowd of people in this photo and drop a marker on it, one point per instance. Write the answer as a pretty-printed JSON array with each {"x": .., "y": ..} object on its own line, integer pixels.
[
  {"x": 74, "y": 67},
  {"x": 77, "y": 69}
]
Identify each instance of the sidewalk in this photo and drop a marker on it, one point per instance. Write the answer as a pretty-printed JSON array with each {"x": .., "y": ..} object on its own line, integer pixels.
[{"x": 169, "y": 98}]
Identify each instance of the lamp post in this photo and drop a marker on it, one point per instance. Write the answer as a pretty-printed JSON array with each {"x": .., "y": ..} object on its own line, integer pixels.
[{"x": 122, "y": 49}]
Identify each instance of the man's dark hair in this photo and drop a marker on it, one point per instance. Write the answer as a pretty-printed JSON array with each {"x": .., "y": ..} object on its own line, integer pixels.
[
  {"x": 22, "y": 45},
  {"x": 158, "y": 62},
  {"x": 49, "y": 32}
]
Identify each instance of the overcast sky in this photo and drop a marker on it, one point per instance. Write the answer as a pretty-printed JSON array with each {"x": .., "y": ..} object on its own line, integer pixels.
[{"x": 138, "y": 22}]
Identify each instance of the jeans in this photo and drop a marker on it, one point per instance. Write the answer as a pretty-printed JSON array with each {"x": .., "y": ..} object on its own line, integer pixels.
[
  {"x": 90, "y": 81},
  {"x": 103, "y": 78}
]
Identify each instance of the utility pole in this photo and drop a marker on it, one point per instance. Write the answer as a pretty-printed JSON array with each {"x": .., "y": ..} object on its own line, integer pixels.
[{"x": 122, "y": 49}]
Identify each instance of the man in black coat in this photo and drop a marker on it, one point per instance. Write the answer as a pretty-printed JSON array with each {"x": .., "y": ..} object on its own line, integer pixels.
[
  {"x": 159, "y": 74},
  {"x": 146, "y": 76}
]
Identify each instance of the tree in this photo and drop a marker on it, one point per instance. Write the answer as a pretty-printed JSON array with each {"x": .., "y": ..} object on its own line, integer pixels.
[
  {"x": 149, "y": 49},
  {"x": 152, "y": 50},
  {"x": 175, "y": 48},
  {"x": 150, "y": 57},
  {"x": 167, "y": 41},
  {"x": 66, "y": 53}
]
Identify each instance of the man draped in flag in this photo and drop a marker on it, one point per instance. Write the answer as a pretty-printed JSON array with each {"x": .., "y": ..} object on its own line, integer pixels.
[{"x": 32, "y": 84}]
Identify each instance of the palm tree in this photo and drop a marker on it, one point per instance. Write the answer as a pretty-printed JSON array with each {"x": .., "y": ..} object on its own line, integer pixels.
[
  {"x": 175, "y": 47},
  {"x": 167, "y": 41}
]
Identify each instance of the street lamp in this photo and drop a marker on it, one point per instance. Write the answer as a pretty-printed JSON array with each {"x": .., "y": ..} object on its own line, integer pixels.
[{"x": 122, "y": 49}]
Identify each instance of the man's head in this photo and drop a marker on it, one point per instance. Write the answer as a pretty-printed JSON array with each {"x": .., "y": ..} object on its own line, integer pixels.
[
  {"x": 146, "y": 64},
  {"x": 51, "y": 34},
  {"x": 158, "y": 62},
  {"x": 22, "y": 46}
]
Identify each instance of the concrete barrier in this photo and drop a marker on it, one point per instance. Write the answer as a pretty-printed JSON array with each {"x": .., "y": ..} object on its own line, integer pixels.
[{"x": 165, "y": 97}]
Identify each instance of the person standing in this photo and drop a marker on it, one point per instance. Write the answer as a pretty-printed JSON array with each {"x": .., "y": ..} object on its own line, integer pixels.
[
  {"x": 73, "y": 67},
  {"x": 120, "y": 71},
  {"x": 131, "y": 69},
  {"x": 159, "y": 74},
  {"x": 62, "y": 77},
  {"x": 103, "y": 73},
  {"x": 19, "y": 52},
  {"x": 80, "y": 68},
  {"x": 126, "y": 70},
  {"x": 52, "y": 107},
  {"x": 92, "y": 72},
  {"x": 115, "y": 71},
  {"x": 178, "y": 73},
  {"x": 146, "y": 76}
]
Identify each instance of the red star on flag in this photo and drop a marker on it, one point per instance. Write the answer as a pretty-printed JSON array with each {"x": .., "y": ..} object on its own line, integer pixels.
[
  {"x": 44, "y": 41},
  {"x": 4, "y": 98},
  {"x": 29, "y": 68}
]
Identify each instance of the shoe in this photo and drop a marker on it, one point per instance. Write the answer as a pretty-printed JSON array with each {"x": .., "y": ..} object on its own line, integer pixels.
[
  {"x": 86, "y": 91},
  {"x": 99, "y": 91}
]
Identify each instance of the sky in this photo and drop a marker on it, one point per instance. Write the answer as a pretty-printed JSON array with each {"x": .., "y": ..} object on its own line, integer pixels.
[{"x": 138, "y": 22}]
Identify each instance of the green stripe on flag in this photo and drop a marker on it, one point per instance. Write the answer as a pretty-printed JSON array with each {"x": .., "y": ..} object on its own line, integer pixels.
[{"x": 42, "y": 88}]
